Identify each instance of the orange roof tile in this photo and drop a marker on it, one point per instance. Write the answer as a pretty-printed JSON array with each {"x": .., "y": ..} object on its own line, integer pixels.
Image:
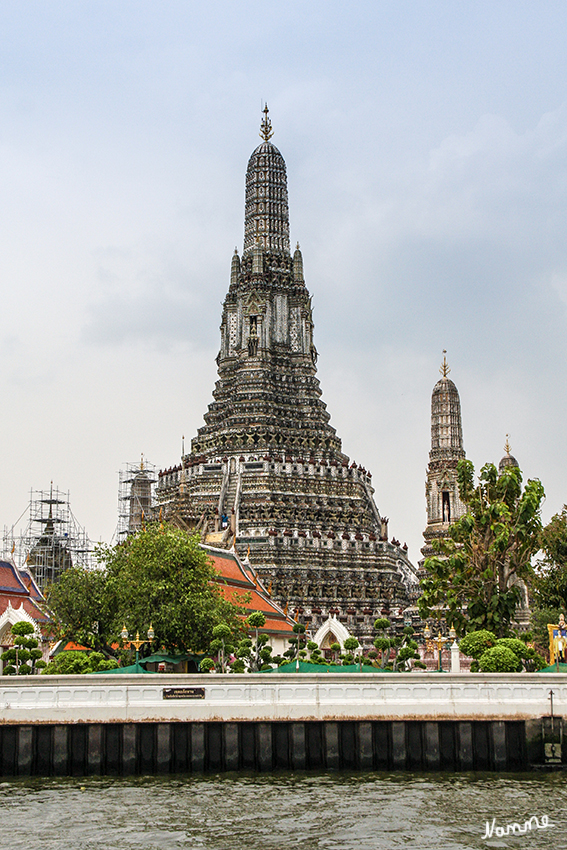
[
  {"x": 71, "y": 646},
  {"x": 236, "y": 581}
]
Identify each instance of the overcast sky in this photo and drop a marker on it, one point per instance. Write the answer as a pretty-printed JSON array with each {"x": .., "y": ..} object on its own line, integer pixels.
[{"x": 426, "y": 147}]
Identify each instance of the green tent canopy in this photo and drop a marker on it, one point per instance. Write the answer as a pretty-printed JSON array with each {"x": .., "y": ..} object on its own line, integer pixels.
[
  {"x": 161, "y": 657},
  {"x": 553, "y": 668},
  {"x": 308, "y": 667},
  {"x": 132, "y": 668}
]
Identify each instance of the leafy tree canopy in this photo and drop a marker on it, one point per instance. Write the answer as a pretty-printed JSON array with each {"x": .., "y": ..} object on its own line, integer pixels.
[
  {"x": 162, "y": 577},
  {"x": 471, "y": 577},
  {"x": 76, "y": 662},
  {"x": 549, "y": 584},
  {"x": 499, "y": 655},
  {"x": 24, "y": 656},
  {"x": 158, "y": 577},
  {"x": 79, "y": 607}
]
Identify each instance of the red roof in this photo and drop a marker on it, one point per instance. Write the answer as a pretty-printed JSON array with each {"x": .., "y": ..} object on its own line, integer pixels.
[
  {"x": 10, "y": 581},
  {"x": 237, "y": 579},
  {"x": 17, "y": 589},
  {"x": 28, "y": 580}
]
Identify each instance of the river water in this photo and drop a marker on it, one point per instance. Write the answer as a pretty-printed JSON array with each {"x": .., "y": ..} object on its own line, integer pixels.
[{"x": 339, "y": 811}]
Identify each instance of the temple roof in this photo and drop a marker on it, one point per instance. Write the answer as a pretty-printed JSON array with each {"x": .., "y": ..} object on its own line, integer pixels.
[
  {"x": 19, "y": 590},
  {"x": 10, "y": 580},
  {"x": 236, "y": 579}
]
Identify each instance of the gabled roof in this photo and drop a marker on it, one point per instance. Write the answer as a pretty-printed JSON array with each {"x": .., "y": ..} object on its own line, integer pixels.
[
  {"x": 10, "y": 580},
  {"x": 27, "y": 604},
  {"x": 33, "y": 589},
  {"x": 240, "y": 585},
  {"x": 17, "y": 588}
]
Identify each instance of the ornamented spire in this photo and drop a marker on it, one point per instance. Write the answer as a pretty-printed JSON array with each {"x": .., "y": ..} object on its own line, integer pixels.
[
  {"x": 444, "y": 368},
  {"x": 508, "y": 460},
  {"x": 446, "y": 428},
  {"x": 266, "y": 221},
  {"x": 298, "y": 265},
  {"x": 444, "y": 505},
  {"x": 235, "y": 268},
  {"x": 266, "y": 131}
]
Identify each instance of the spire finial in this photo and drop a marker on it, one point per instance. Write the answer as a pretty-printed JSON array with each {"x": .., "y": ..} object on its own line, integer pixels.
[
  {"x": 266, "y": 131},
  {"x": 444, "y": 369},
  {"x": 507, "y": 445},
  {"x": 142, "y": 465}
]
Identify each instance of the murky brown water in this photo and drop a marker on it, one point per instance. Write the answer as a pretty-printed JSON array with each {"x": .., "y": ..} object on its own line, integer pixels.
[{"x": 363, "y": 811}]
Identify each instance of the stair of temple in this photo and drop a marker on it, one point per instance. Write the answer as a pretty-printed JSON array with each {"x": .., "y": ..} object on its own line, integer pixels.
[
  {"x": 267, "y": 449},
  {"x": 230, "y": 501}
]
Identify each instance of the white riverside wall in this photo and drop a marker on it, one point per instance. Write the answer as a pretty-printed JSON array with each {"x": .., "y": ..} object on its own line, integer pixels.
[{"x": 280, "y": 697}]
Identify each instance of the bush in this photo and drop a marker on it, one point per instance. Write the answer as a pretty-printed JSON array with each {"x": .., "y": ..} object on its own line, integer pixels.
[
  {"x": 517, "y": 646},
  {"x": 476, "y": 643},
  {"x": 238, "y": 666},
  {"x": 67, "y": 663},
  {"x": 206, "y": 665},
  {"x": 72, "y": 662},
  {"x": 499, "y": 659}
]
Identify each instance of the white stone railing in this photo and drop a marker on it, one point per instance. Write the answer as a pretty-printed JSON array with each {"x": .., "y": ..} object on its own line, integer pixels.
[{"x": 278, "y": 697}]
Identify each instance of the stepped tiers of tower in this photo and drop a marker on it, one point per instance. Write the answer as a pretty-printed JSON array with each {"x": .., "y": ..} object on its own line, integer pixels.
[{"x": 267, "y": 470}]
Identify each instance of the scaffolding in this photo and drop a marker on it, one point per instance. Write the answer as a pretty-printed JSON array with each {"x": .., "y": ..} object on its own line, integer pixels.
[
  {"x": 136, "y": 497},
  {"x": 47, "y": 538}
]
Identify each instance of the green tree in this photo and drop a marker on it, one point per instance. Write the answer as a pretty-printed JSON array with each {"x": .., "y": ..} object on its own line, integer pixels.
[
  {"x": 162, "y": 577},
  {"x": 471, "y": 579},
  {"x": 476, "y": 643},
  {"x": 75, "y": 662},
  {"x": 499, "y": 659},
  {"x": 256, "y": 620},
  {"x": 295, "y": 650},
  {"x": 78, "y": 607},
  {"x": 335, "y": 649},
  {"x": 221, "y": 645},
  {"x": 406, "y": 651},
  {"x": 382, "y": 642},
  {"x": 351, "y": 644},
  {"x": 492, "y": 655},
  {"x": 539, "y": 620},
  {"x": 24, "y": 656},
  {"x": 549, "y": 583}
]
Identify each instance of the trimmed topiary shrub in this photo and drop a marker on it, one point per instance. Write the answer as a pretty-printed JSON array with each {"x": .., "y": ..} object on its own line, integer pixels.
[
  {"x": 499, "y": 659},
  {"x": 475, "y": 644}
]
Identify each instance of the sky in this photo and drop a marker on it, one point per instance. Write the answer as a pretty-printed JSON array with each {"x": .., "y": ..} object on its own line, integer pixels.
[{"x": 426, "y": 150}]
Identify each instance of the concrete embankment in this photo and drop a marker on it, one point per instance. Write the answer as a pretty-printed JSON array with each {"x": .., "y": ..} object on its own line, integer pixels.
[{"x": 77, "y": 725}]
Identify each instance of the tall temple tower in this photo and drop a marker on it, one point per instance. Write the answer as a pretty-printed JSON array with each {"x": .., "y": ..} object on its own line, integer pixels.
[
  {"x": 441, "y": 488},
  {"x": 267, "y": 471}
]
